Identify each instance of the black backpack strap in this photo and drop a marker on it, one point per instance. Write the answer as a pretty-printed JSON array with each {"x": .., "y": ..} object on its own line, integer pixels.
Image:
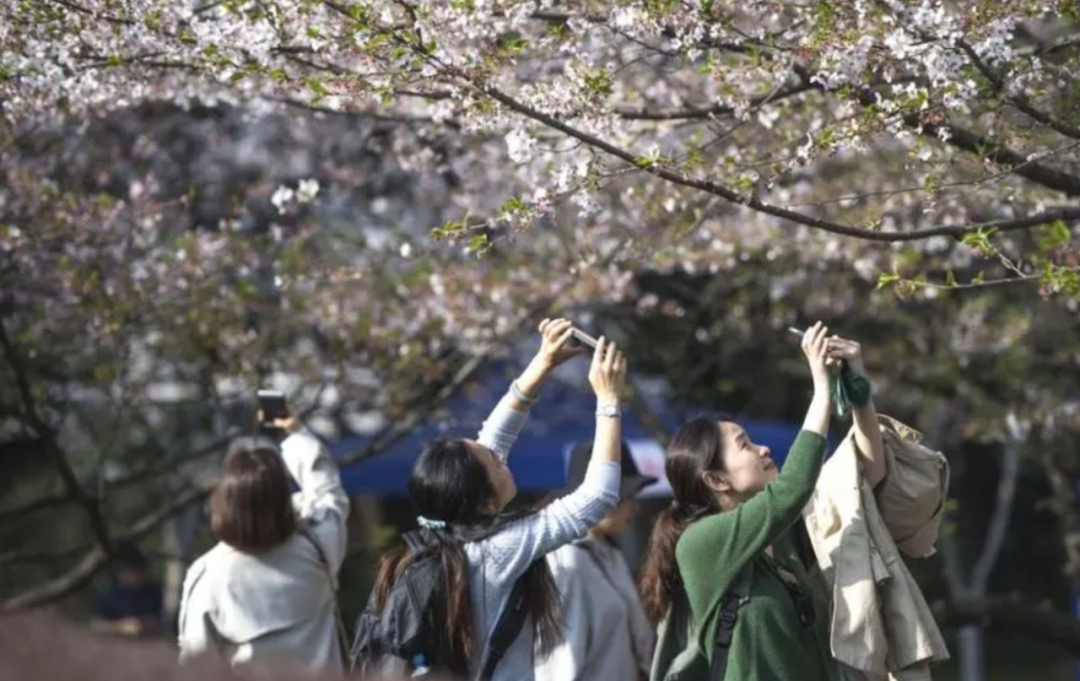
[
  {"x": 804, "y": 547},
  {"x": 737, "y": 595},
  {"x": 506, "y": 630},
  {"x": 414, "y": 542}
]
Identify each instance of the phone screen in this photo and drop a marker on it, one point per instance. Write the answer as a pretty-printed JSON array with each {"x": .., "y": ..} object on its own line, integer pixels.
[{"x": 273, "y": 405}]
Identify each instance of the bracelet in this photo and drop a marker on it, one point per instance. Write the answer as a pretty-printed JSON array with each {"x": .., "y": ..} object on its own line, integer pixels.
[
  {"x": 610, "y": 410},
  {"x": 519, "y": 395}
]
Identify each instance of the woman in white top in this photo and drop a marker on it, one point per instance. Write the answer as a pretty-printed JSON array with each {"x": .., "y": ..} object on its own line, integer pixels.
[
  {"x": 265, "y": 593},
  {"x": 608, "y": 635},
  {"x": 460, "y": 489}
]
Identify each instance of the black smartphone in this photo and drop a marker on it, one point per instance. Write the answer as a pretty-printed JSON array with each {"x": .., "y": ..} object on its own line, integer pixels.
[
  {"x": 579, "y": 337},
  {"x": 273, "y": 405}
]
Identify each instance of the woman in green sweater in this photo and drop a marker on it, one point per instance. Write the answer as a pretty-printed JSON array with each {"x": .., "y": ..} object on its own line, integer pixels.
[{"x": 729, "y": 530}]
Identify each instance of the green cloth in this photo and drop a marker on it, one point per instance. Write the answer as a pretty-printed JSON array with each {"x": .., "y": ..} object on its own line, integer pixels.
[
  {"x": 849, "y": 389},
  {"x": 769, "y": 642}
]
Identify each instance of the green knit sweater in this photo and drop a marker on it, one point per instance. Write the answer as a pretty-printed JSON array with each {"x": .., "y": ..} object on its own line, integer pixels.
[{"x": 769, "y": 642}]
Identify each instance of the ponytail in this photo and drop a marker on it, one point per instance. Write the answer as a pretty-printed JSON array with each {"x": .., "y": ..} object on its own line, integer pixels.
[{"x": 661, "y": 581}]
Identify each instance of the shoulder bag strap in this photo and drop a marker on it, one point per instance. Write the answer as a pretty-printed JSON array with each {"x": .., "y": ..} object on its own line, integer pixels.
[
  {"x": 339, "y": 622},
  {"x": 506, "y": 631}
]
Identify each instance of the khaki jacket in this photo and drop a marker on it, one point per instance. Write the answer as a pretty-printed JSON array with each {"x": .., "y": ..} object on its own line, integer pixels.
[{"x": 881, "y": 626}]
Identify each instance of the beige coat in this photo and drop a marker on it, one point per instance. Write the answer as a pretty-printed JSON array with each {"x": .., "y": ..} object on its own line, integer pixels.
[{"x": 881, "y": 625}]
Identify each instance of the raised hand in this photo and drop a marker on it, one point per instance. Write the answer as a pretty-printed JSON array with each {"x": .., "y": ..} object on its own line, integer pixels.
[
  {"x": 554, "y": 347},
  {"x": 815, "y": 345},
  {"x": 607, "y": 373},
  {"x": 844, "y": 350}
]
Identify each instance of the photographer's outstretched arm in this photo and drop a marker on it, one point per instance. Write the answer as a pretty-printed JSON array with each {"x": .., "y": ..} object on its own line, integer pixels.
[
  {"x": 868, "y": 441},
  {"x": 500, "y": 430}
]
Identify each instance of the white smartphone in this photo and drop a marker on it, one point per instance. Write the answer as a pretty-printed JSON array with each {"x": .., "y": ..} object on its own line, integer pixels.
[
  {"x": 583, "y": 338},
  {"x": 273, "y": 405}
]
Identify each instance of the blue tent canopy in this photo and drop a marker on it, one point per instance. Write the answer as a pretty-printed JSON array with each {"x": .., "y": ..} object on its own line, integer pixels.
[{"x": 563, "y": 417}]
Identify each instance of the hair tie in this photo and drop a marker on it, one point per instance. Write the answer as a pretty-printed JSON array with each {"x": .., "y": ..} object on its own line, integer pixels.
[{"x": 429, "y": 524}]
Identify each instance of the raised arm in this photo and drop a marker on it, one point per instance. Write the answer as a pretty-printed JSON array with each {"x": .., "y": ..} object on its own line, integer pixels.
[
  {"x": 322, "y": 501},
  {"x": 715, "y": 548},
  {"x": 868, "y": 441},
  {"x": 501, "y": 429},
  {"x": 572, "y": 516}
]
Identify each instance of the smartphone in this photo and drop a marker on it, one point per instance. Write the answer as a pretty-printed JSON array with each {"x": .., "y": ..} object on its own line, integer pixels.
[
  {"x": 273, "y": 405},
  {"x": 583, "y": 338}
]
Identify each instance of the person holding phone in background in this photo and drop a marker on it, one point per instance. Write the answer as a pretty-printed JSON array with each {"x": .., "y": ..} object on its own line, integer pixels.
[
  {"x": 608, "y": 635},
  {"x": 265, "y": 594}
]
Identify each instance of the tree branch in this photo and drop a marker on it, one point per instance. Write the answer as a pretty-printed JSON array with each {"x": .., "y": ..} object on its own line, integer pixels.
[
  {"x": 392, "y": 433},
  {"x": 1013, "y": 615},
  {"x": 1020, "y": 101},
  {"x": 48, "y": 439},
  {"x": 690, "y": 113},
  {"x": 147, "y": 472},
  {"x": 93, "y": 562},
  {"x": 999, "y": 522},
  {"x": 754, "y": 203}
]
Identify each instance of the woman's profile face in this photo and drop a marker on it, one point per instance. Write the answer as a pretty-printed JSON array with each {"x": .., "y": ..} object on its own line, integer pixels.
[
  {"x": 502, "y": 480},
  {"x": 748, "y": 467}
]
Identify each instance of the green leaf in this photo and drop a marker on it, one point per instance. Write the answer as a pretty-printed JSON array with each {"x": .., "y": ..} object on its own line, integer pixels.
[
  {"x": 887, "y": 279},
  {"x": 480, "y": 244}
]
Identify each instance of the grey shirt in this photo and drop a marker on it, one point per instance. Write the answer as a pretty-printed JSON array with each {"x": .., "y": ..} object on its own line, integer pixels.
[{"x": 496, "y": 562}]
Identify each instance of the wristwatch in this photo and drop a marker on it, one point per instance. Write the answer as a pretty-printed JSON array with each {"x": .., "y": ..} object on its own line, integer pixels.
[{"x": 610, "y": 410}]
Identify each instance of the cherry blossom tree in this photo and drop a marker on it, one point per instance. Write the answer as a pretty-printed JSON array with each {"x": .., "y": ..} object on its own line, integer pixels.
[{"x": 674, "y": 124}]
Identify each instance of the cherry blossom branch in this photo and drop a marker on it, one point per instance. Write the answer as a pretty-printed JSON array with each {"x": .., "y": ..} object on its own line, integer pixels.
[
  {"x": 1019, "y": 100},
  {"x": 644, "y": 114},
  {"x": 754, "y": 203},
  {"x": 962, "y": 139}
]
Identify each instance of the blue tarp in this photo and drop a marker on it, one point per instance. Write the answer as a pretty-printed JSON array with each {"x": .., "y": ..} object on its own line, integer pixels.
[{"x": 562, "y": 417}]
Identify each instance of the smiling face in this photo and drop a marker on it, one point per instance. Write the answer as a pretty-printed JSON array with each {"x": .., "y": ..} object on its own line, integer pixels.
[
  {"x": 748, "y": 467},
  {"x": 502, "y": 480}
]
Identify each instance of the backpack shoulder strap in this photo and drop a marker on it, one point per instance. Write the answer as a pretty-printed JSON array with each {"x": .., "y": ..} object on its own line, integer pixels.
[
  {"x": 737, "y": 595},
  {"x": 506, "y": 630},
  {"x": 414, "y": 542}
]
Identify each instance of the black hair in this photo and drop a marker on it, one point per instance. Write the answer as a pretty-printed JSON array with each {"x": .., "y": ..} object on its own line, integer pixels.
[
  {"x": 449, "y": 483},
  {"x": 696, "y": 449}
]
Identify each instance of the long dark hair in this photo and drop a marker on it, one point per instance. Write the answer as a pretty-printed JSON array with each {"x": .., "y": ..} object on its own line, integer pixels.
[
  {"x": 449, "y": 483},
  {"x": 696, "y": 449}
]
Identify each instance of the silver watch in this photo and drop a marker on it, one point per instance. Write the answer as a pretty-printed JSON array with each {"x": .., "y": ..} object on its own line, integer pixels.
[{"x": 610, "y": 410}]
